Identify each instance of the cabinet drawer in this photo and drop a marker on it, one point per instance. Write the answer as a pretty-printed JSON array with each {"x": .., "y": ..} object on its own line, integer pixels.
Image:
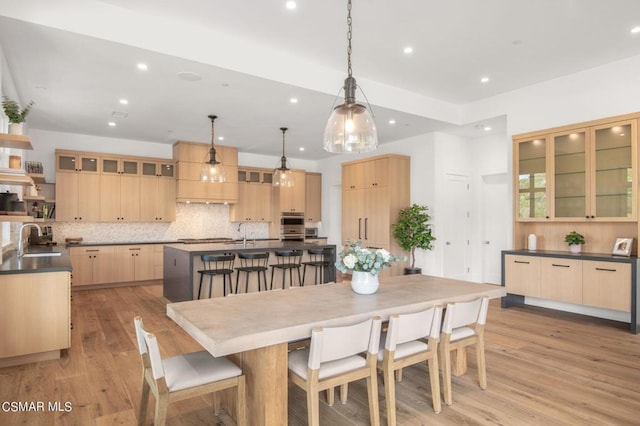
[
  {"x": 522, "y": 275},
  {"x": 607, "y": 285},
  {"x": 561, "y": 279}
]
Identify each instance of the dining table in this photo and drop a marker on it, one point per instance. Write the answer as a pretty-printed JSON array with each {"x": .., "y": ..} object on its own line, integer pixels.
[{"x": 254, "y": 330}]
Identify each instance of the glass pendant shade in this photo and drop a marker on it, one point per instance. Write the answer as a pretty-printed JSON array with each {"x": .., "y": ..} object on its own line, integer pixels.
[
  {"x": 283, "y": 176},
  {"x": 212, "y": 170},
  {"x": 350, "y": 128}
]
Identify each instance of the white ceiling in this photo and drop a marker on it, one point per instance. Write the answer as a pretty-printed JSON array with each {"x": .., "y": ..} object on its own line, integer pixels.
[{"x": 77, "y": 58}]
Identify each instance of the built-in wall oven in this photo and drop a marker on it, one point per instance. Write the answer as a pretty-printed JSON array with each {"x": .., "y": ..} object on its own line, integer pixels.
[{"x": 292, "y": 226}]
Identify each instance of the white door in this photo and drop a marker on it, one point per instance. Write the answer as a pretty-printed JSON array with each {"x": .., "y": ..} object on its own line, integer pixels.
[
  {"x": 495, "y": 225},
  {"x": 455, "y": 231}
]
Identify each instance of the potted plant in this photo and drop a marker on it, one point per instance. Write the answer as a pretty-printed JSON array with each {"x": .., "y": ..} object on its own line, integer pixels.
[
  {"x": 15, "y": 114},
  {"x": 413, "y": 231},
  {"x": 575, "y": 241},
  {"x": 364, "y": 264}
]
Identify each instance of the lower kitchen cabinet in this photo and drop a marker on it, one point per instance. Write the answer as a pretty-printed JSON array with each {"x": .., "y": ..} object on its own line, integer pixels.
[
  {"x": 134, "y": 263},
  {"x": 35, "y": 313},
  {"x": 92, "y": 265}
]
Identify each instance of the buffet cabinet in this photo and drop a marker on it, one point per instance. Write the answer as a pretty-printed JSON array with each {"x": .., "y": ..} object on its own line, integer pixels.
[
  {"x": 600, "y": 281},
  {"x": 373, "y": 192},
  {"x": 94, "y": 187}
]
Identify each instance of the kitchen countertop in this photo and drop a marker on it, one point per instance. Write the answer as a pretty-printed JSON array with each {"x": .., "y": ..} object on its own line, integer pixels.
[
  {"x": 250, "y": 246},
  {"x": 12, "y": 264},
  {"x": 605, "y": 257}
]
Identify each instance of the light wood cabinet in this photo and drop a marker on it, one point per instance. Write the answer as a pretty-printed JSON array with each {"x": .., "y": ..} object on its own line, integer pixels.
[
  {"x": 522, "y": 275},
  {"x": 189, "y": 157},
  {"x": 77, "y": 188},
  {"x": 292, "y": 199},
  {"x": 35, "y": 313},
  {"x": 374, "y": 191},
  {"x": 93, "y": 265},
  {"x": 606, "y": 285},
  {"x": 158, "y": 261},
  {"x": 157, "y": 192},
  {"x": 561, "y": 279},
  {"x": 254, "y": 203},
  {"x": 313, "y": 197},
  {"x": 119, "y": 190},
  {"x": 134, "y": 263}
]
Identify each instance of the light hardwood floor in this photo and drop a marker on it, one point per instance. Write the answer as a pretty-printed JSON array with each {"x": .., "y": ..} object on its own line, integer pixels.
[{"x": 543, "y": 367}]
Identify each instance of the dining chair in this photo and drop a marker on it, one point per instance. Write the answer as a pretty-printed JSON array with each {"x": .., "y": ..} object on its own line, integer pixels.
[
  {"x": 335, "y": 358},
  {"x": 463, "y": 326},
  {"x": 402, "y": 345},
  {"x": 184, "y": 376}
]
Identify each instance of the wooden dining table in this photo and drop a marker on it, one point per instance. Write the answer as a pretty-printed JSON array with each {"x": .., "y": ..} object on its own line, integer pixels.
[{"x": 254, "y": 329}]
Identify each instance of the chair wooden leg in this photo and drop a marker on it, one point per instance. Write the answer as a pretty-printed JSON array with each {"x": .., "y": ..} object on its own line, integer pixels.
[
  {"x": 446, "y": 374},
  {"x": 459, "y": 367},
  {"x": 313, "y": 404},
  {"x": 482, "y": 368},
  {"x": 344, "y": 392},
  {"x": 144, "y": 401},
  {"x": 217, "y": 406},
  {"x": 330, "y": 396},
  {"x": 390, "y": 394},
  {"x": 372, "y": 393},
  {"x": 434, "y": 377},
  {"x": 161, "y": 409},
  {"x": 399, "y": 375},
  {"x": 241, "y": 407}
]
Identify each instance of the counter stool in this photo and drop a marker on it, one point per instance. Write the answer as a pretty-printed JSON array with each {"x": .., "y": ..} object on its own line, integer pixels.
[
  {"x": 252, "y": 262},
  {"x": 287, "y": 260},
  {"x": 318, "y": 261},
  {"x": 217, "y": 265}
]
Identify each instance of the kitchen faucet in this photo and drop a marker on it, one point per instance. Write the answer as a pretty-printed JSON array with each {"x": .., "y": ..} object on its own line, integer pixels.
[
  {"x": 244, "y": 239},
  {"x": 21, "y": 241}
]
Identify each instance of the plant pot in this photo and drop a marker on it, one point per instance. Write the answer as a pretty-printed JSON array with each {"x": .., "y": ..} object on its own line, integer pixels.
[
  {"x": 364, "y": 282},
  {"x": 412, "y": 271},
  {"x": 15, "y": 128},
  {"x": 575, "y": 248}
]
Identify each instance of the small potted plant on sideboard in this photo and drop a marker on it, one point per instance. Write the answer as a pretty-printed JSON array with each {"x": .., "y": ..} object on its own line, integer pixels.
[
  {"x": 413, "y": 231},
  {"x": 575, "y": 241}
]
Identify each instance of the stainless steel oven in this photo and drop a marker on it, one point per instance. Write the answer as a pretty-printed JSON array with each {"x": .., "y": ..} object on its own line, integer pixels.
[{"x": 292, "y": 226}]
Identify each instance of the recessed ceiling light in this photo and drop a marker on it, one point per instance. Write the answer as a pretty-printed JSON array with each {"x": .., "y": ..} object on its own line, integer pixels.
[
  {"x": 112, "y": 124},
  {"x": 408, "y": 50},
  {"x": 293, "y": 100},
  {"x": 392, "y": 121},
  {"x": 484, "y": 80},
  {"x": 142, "y": 67},
  {"x": 124, "y": 101},
  {"x": 301, "y": 148},
  {"x": 189, "y": 76},
  {"x": 487, "y": 128},
  {"x": 291, "y": 5},
  {"x": 220, "y": 138},
  {"x": 635, "y": 30}
]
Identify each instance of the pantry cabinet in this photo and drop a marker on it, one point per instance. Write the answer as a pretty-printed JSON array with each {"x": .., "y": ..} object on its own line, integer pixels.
[
  {"x": 157, "y": 192},
  {"x": 313, "y": 197},
  {"x": 119, "y": 190},
  {"x": 374, "y": 191}
]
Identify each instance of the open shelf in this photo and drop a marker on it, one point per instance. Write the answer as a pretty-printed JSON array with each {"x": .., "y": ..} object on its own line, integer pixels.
[
  {"x": 15, "y": 141},
  {"x": 37, "y": 177}
]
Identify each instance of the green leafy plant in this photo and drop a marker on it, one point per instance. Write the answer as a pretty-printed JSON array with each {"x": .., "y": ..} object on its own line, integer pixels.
[
  {"x": 13, "y": 112},
  {"x": 354, "y": 257},
  {"x": 413, "y": 231},
  {"x": 574, "y": 238}
]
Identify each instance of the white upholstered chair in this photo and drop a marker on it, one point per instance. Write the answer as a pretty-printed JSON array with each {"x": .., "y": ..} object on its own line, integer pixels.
[
  {"x": 184, "y": 376},
  {"x": 410, "y": 339},
  {"x": 463, "y": 326},
  {"x": 334, "y": 359}
]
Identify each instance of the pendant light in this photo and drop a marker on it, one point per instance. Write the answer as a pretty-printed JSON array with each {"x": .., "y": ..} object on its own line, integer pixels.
[
  {"x": 283, "y": 176},
  {"x": 212, "y": 169},
  {"x": 350, "y": 127}
]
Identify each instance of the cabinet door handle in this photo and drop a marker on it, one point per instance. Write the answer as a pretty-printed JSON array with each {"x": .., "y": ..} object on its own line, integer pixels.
[
  {"x": 606, "y": 270},
  {"x": 359, "y": 226},
  {"x": 560, "y": 266},
  {"x": 521, "y": 261},
  {"x": 366, "y": 223}
]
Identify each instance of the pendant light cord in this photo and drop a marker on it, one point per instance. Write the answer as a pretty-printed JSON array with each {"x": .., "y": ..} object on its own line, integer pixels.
[{"x": 349, "y": 32}]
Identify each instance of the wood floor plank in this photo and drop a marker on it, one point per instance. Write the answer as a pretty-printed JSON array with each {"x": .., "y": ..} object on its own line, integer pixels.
[{"x": 543, "y": 367}]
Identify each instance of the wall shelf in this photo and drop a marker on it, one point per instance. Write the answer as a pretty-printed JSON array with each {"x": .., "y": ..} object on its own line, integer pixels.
[{"x": 15, "y": 141}]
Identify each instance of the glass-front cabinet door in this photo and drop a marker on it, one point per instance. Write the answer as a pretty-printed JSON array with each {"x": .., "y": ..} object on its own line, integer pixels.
[
  {"x": 532, "y": 166},
  {"x": 614, "y": 164},
  {"x": 570, "y": 177}
]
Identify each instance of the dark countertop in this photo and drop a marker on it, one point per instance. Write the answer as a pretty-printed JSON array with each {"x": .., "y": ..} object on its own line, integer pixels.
[
  {"x": 12, "y": 264},
  {"x": 604, "y": 257},
  {"x": 237, "y": 246},
  {"x": 138, "y": 243}
]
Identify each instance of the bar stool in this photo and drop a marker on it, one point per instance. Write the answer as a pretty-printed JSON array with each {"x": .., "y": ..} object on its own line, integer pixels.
[
  {"x": 287, "y": 260},
  {"x": 318, "y": 261},
  {"x": 252, "y": 262},
  {"x": 217, "y": 265}
]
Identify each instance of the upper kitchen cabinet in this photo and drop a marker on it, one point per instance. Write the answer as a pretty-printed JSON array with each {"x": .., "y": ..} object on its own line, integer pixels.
[
  {"x": 119, "y": 190},
  {"x": 292, "y": 199},
  {"x": 254, "y": 196},
  {"x": 77, "y": 187},
  {"x": 577, "y": 174},
  {"x": 313, "y": 197},
  {"x": 157, "y": 192},
  {"x": 189, "y": 157}
]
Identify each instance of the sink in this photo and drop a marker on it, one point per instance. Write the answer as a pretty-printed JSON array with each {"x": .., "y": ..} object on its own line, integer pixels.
[{"x": 43, "y": 254}]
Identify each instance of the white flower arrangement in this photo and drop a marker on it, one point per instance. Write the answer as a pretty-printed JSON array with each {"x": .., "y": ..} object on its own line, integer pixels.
[{"x": 356, "y": 258}]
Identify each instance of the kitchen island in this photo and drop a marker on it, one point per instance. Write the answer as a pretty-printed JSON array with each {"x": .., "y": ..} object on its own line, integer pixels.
[
  {"x": 182, "y": 262},
  {"x": 35, "y": 306}
]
